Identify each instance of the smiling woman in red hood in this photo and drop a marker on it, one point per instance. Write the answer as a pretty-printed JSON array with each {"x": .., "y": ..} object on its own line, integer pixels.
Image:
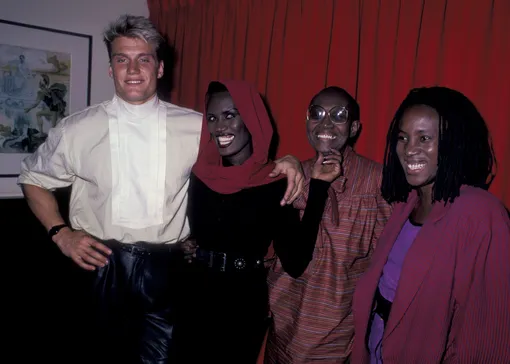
[
  {"x": 235, "y": 214},
  {"x": 235, "y": 116}
]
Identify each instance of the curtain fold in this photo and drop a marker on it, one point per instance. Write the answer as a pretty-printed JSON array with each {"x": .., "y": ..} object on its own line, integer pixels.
[{"x": 377, "y": 50}]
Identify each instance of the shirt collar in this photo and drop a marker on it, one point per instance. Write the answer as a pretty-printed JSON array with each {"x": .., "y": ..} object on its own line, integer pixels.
[{"x": 134, "y": 112}]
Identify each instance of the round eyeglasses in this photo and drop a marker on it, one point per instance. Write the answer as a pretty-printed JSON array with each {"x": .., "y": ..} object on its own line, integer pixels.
[{"x": 337, "y": 114}]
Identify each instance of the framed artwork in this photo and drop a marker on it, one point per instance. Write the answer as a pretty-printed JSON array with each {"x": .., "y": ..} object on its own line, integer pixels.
[{"x": 44, "y": 77}]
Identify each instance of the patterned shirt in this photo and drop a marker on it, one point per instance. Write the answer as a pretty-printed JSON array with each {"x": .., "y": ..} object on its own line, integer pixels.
[{"x": 312, "y": 314}]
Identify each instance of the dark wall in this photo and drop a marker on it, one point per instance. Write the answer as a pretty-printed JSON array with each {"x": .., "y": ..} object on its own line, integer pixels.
[{"x": 43, "y": 290}]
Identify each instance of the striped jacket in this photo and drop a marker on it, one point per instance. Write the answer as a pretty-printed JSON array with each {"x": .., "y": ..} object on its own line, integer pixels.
[{"x": 312, "y": 314}]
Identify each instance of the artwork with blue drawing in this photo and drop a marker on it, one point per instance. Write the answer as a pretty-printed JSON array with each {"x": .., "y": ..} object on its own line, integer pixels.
[{"x": 34, "y": 96}]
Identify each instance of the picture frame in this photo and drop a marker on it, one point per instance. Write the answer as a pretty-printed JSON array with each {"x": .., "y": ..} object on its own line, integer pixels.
[{"x": 64, "y": 61}]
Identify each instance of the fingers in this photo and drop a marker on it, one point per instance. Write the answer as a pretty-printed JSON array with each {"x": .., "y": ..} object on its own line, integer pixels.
[
  {"x": 190, "y": 257},
  {"x": 299, "y": 188},
  {"x": 291, "y": 186},
  {"x": 332, "y": 161},
  {"x": 328, "y": 167},
  {"x": 94, "y": 257},
  {"x": 189, "y": 247},
  {"x": 301, "y": 183},
  {"x": 80, "y": 262},
  {"x": 320, "y": 159},
  {"x": 276, "y": 171},
  {"x": 99, "y": 246},
  {"x": 335, "y": 155},
  {"x": 291, "y": 167},
  {"x": 281, "y": 165},
  {"x": 89, "y": 258},
  {"x": 332, "y": 158},
  {"x": 89, "y": 253},
  {"x": 334, "y": 166},
  {"x": 97, "y": 253}
]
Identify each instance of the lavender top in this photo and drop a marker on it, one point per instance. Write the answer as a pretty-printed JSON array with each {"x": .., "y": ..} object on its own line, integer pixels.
[{"x": 388, "y": 284}]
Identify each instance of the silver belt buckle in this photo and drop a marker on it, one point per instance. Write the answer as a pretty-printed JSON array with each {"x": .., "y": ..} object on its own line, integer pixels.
[{"x": 240, "y": 263}]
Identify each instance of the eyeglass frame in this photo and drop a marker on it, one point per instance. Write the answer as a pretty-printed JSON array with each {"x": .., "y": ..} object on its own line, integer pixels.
[{"x": 328, "y": 114}]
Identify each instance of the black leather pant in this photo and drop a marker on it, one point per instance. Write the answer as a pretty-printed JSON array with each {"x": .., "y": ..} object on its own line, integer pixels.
[{"x": 134, "y": 296}]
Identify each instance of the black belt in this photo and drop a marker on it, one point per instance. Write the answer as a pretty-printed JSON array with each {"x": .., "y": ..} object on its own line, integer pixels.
[
  {"x": 228, "y": 262},
  {"x": 382, "y": 306},
  {"x": 144, "y": 248}
]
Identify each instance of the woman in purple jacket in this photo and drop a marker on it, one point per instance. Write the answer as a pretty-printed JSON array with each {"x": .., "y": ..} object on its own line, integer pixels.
[{"x": 438, "y": 287}]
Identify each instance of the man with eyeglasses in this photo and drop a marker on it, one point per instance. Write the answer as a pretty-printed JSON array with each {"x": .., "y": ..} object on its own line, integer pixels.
[{"x": 312, "y": 315}]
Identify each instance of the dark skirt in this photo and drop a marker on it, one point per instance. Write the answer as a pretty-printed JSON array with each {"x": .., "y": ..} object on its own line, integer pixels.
[{"x": 223, "y": 316}]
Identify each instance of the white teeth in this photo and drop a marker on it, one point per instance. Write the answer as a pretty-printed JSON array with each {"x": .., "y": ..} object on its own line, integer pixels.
[
  {"x": 225, "y": 140},
  {"x": 416, "y": 166},
  {"x": 134, "y": 82},
  {"x": 326, "y": 136}
]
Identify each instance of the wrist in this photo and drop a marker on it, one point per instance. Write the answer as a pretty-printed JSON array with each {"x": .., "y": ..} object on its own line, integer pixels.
[
  {"x": 57, "y": 238},
  {"x": 318, "y": 189},
  {"x": 56, "y": 231},
  {"x": 320, "y": 181}
]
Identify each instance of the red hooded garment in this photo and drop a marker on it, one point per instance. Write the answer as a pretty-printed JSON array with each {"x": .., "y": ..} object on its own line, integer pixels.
[{"x": 254, "y": 171}]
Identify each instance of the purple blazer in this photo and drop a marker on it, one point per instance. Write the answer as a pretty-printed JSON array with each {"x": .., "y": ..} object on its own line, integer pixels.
[{"x": 452, "y": 303}]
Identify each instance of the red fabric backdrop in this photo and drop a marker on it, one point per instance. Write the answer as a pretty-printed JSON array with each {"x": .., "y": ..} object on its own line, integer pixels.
[{"x": 375, "y": 49}]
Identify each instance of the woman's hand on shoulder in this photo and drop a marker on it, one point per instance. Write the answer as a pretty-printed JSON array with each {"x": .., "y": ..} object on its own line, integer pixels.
[{"x": 291, "y": 167}]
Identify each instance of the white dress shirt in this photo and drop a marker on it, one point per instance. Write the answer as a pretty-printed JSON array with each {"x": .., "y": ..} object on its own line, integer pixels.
[{"x": 128, "y": 165}]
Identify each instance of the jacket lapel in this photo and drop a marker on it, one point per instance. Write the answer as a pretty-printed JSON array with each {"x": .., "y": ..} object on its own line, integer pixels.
[
  {"x": 365, "y": 296},
  {"x": 417, "y": 263}
]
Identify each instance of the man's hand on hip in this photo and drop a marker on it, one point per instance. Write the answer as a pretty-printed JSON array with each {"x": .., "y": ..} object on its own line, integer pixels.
[{"x": 84, "y": 250}]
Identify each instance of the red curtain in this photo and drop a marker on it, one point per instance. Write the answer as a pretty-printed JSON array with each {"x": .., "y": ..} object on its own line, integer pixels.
[{"x": 375, "y": 49}]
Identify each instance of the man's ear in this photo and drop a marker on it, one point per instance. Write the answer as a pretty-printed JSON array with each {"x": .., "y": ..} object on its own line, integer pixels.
[
  {"x": 354, "y": 129},
  {"x": 161, "y": 69}
]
